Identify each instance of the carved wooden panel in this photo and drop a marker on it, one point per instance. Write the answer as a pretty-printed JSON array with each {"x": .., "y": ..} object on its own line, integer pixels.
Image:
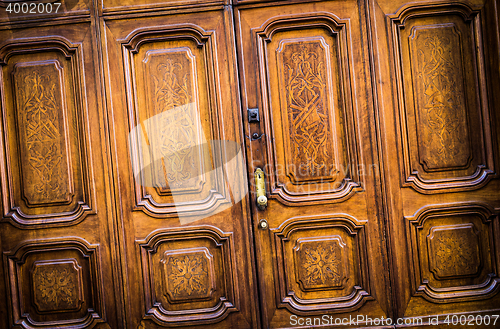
[
  {"x": 439, "y": 92},
  {"x": 56, "y": 282},
  {"x": 57, "y": 285},
  {"x": 189, "y": 276},
  {"x": 321, "y": 264},
  {"x": 47, "y": 180},
  {"x": 305, "y": 79},
  {"x": 173, "y": 120},
  {"x": 452, "y": 249},
  {"x": 443, "y": 111},
  {"x": 39, "y": 96},
  {"x": 308, "y": 108},
  {"x": 171, "y": 77}
]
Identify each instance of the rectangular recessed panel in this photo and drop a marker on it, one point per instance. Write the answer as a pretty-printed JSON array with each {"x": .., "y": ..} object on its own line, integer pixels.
[
  {"x": 438, "y": 79},
  {"x": 175, "y": 134},
  {"x": 47, "y": 152},
  {"x": 443, "y": 109},
  {"x": 320, "y": 264},
  {"x": 309, "y": 108},
  {"x": 452, "y": 253},
  {"x": 174, "y": 121},
  {"x": 305, "y": 91},
  {"x": 43, "y": 145}
]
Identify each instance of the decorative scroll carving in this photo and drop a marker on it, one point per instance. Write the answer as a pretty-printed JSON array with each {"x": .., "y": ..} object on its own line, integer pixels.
[
  {"x": 177, "y": 141},
  {"x": 305, "y": 84},
  {"x": 320, "y": 262},
  {"x": 189, "y": 274},
  {"x": 441, "y": 124},
  {"x": 454, "y": 250},
  {"x": 171, "y": 90},
  {"x": 57, "y": 285},
  {"x": 43, "y": 146}
]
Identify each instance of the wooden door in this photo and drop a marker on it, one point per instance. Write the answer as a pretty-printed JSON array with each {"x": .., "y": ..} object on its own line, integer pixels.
[
  {"x": 127, "y": 160},
  {"x": 322, "y": 252},
  {"x": 56, "y": 228},
  {"x": 185, "y": 239},
  {"x": 436, "y": 67}
]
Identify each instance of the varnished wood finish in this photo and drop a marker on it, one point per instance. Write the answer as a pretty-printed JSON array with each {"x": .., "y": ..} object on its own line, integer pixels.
[
  {"x": 299, "y": 65},
  {"x": 56, "y": 222},
  {"x": 195, "y": 269},
  {"x": 436, "y": 67},
  {"x": 378, "y": 139}
]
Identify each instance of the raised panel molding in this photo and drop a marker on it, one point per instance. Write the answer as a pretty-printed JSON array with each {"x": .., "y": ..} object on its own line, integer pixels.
[
  {"x": 177, "y": 79},
  {"x": 46, "y": 133},
  {"x": 312, "y": 147},
  {"x": 438, "y": 78},
  {"x": 443, "y": 107},
  {"x": 452, "y": 252},
  {"x": 321, "y": 264},
  {"x": 305, "y": 76},
  {"x": 189, "y": 276},
  {"x": 52, "y": 289}
]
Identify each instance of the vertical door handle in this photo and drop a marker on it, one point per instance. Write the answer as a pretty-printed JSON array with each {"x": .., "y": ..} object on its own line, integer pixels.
[{"x": 260, "y": 186}]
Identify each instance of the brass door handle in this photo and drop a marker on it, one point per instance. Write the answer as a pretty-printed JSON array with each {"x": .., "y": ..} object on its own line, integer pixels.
[{"x": 260, "y": 186}]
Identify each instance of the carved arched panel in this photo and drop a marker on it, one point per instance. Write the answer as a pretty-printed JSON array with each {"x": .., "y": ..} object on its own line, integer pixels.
[
  {"x": 443, "y": 110},
  {"x": 308, "y": 109},
  {"x": 47, "y": 179},
  {"x": 173, "y": 115}
]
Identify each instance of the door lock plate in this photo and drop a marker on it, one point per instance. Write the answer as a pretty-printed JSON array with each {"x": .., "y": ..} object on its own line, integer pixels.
[{"x": 253, "y": 115}]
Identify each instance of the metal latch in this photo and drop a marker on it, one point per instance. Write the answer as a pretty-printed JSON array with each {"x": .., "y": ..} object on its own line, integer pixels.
[{"x": 260, "y": 186}]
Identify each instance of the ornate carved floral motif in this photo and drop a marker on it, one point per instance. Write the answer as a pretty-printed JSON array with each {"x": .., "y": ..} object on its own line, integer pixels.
[
  {"x": 320, "y": 264},
  {"x": 188, "y": 275},
  {"x": 56, "y": 286},
  {"x": 306, "y": 100},
  {"x": 440, "y": 97},
  {"x": 454, "y": 251}
]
